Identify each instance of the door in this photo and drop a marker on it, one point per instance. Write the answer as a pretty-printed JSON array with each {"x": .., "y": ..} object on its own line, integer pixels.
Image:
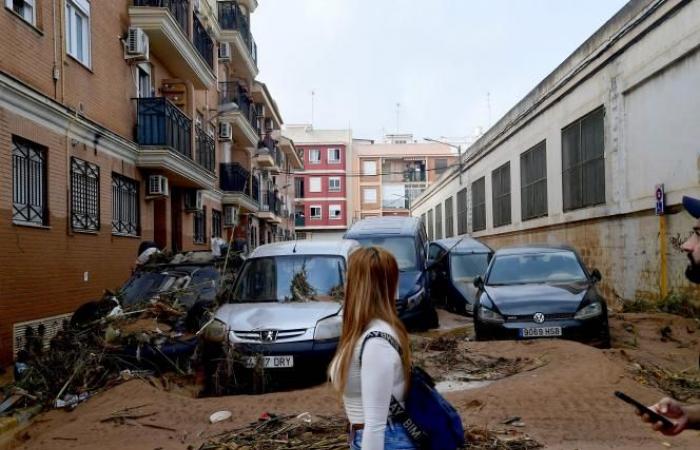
[
  {"x": 437, "y": 274},
  {"x": 176, "y": 219}
]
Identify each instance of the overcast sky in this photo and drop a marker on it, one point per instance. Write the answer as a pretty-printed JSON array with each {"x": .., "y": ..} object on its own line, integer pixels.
[{"x": 452, "y": 65}]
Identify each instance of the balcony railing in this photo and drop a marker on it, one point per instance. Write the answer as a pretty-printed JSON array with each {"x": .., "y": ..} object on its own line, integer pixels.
[
  {"x": 231, "y": 17},
  {"x": 161, "y": 123},
  {"x": 269, "y": 146},
  {"x": 202, "y": 41},
  {"x": 234, "y": 92},
  {"x": 235, "y": 178},
  {"x": 271, "y": 202},
  {"x": 180, "y": 10},
  {"x": 206, "y": 149}
]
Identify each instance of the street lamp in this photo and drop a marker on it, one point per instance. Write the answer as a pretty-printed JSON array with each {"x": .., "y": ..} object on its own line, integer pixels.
[{"x": 459, "y": 153}]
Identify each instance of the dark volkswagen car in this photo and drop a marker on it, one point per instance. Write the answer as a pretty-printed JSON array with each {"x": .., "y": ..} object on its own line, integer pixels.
[
  {"x": 533, "y": 292},
  {"x": 454, "y": 264}
]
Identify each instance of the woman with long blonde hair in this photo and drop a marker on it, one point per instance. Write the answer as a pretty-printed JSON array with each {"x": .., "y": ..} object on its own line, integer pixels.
[{"x": 368, "y": 385}]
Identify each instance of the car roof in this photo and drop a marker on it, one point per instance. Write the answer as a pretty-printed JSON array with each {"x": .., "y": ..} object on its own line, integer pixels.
[
  {"x": 377, "y": 226},
  {"x": 530, "y": 249},
  {"x": 340, "y": 247},
  {"x": 463, "y": 244}
]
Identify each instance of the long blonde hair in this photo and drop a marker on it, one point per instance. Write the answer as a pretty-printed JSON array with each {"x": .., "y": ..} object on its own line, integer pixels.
[{"x": 370, "y": 292}]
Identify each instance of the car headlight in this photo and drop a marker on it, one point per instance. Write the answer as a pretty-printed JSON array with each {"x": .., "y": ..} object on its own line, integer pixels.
[
  {"x": 215, "y": 331},
  {"x": 415, "y": 299},
  {"x": 328, "y": 328},
  {"x": 488, "y": 315},
  {"x": 589, "y": 311}
]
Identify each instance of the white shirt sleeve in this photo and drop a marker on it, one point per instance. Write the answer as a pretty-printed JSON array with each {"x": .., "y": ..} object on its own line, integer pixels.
[{"x": 379, "y": 363}]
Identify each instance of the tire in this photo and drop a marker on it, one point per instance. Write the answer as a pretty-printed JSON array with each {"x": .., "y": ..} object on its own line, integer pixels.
[{"x": 431, "y": 318}]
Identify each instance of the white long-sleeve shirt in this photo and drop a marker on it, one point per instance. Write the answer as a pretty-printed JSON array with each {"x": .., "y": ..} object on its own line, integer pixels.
[{"x": 368, "y": 390}]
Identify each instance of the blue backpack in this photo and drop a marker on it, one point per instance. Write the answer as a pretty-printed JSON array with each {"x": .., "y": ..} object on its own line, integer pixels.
[{"x": 429, "y": 419}]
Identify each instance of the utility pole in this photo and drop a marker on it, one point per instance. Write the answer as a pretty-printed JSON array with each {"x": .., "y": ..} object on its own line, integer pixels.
[
  {"x": 488, "y": 107},
  {"x": 398, "y": 111},
  {"x": 313, "y": 94},
  {"x": 459, "y": 154}
]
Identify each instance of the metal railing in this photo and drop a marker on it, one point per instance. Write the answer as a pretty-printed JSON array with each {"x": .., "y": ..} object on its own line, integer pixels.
[
  {"x": 231, "y": 17},
  {"x": 235, "y": 178},
  {"x": 179, "y": 9},
  {"x": 206, "y": 149},
  {"x": 202, "y": 41},
  {"x": 161, "y": 123},
  {"x": 235, "y": 92}
]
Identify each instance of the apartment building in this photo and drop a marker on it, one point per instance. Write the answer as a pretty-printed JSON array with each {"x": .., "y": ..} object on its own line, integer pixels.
[
  {"x": 126, "y": 121},
  {"x": 394, "y": 173},
  {"x": 322, "y": 206},
  {"x": 598, "y": 155}
]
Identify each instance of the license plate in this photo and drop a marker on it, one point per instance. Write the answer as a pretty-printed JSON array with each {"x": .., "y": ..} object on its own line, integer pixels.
[
  {"x": 270, "y": 362},
  {"x": 540, "y": 332}
]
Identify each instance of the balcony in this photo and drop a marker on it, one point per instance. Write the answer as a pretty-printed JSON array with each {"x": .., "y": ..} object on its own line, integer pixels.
[
  {"x": 269, "y": 156},
  {"x": 235, "y": 28},
  {"x": 270, "y": 207},
  {"x": 206, "y": 149},
  {"x": 167, "y": 23},
  {"x": 236, "y": 106},
  {"x": 239, "y": 187},
  {"x": 164, "y": 134}
]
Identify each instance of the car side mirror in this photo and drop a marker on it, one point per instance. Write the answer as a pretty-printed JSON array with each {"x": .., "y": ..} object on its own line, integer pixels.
[
  {"x": 596, "y": 275},
  {"x": 430, "y": 265},
  {"x": 478, "y": 282}
]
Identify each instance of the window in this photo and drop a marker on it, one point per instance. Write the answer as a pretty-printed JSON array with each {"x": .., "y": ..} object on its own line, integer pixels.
[
  {"x": 533, "y": 182},
  {"x": 334, "y": 156},
  {"x": 78, "y": 30},
  {"x": 422, "y": 218},
  {"x": 431, "y": 234},
  {"x": 583, "y": 162},
  {"x": 315, "y": 212},
  {"x": 479, "y": 204},
  {"x": 334, "y": 212},
  {"x": 449, "y": 218},
  {"x": 215, "y": 223},
  {"x": 462, "y": 212},
  {"x": 85, "y": 195},
  {"x": 143, "y": 85},
  {"x": 438, "y": 221},
  {"x": 299, "y": 187},
  {"x": 200, "y": 226},
  {"x": 440, "y": 166},
  {"x": 369, "y": 167},
  {"x": 500, "y": 192},
  {"x": 314, "y": 156},
  {"x": 29, "y": 190},
  {"x": 315, "y": 184},
  {"x": 369, "y": 195},
  {"x": 125, "y": 205},
  {"x": 435, "y": 252},
  {"x": 26, "y": 9},
  {"x": 334, "y": 184}
]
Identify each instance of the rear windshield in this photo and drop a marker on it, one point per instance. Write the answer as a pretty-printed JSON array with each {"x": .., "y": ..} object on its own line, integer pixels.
[
  {"x": 466, "y": 267},
  {"x": 550, "y": 267},
  {"x": 294, "y": 278},
  {"x": 142, "y": 286},
  {"x": 403, "y": 249}
]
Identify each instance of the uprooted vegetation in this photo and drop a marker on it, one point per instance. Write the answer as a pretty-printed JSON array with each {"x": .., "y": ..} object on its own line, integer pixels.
[
  {"x": 674, "y": 303},
  {"x": 682, "y": 385}
]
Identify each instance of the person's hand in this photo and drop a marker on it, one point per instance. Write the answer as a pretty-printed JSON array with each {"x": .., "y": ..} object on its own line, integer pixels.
[{"x": 672, "y": 410}]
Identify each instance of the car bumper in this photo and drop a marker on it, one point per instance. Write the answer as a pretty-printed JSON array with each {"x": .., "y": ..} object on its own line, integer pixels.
[
  {"x": 307, "y": 354},
  {"x": 591, "y": 330}
]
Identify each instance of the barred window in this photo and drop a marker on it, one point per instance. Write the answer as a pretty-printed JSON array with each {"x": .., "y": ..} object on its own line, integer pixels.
[
  {"x": 200, "y": 226},
  {"x": 479, "y": 204},
  {"x": 216, "y": 230},
  {"x": 500, "y": 187},
  {"x": 583, "y": 162},
  {"x": 422, "y": 217},
  {"x": 449, "y": 218},
  {"x": 85, "y": 195},
  {"x": 431, "y": 234},
  {"x": 29, "y": 183},
  {"x": 462, "y": 212},
  {"x": 440, "y": 166},
  {"x": 438, "y": 221},
  {"x": 533, "y": 181},
  {"x": 125, "y": 205}
]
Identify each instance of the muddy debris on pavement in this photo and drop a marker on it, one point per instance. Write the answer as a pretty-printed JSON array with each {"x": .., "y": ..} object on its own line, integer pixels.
[{"x": 500, "y": 438}]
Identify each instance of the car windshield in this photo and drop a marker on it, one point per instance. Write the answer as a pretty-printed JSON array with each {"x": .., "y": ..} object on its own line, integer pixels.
[
  {"x": 403, "y": 249},
  {"x": 203, "y": 287},
  {"x": 549, "y": 267},
  {"x": 295, "y": 278},
  {"x": 142, "y": 286},
  {"x": 466, "y": 267}
]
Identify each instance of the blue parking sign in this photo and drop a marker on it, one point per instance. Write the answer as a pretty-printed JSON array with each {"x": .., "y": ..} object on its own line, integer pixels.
[{"x": 660, "y": 203}]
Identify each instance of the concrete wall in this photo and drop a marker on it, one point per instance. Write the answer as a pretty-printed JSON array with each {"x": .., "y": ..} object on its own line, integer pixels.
[{"x": 646, "y": 79}]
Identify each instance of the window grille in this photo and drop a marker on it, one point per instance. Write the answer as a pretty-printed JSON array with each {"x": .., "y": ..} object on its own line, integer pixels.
[
  {"x": 533, "y": 182},
  {"x": 583, "y": 162},
  {"x": 85, "y": 195},
  {"x": 462, "y": 212},
  {"x": 479, "y": 204},
  {"x": 125, "y": 205},
  {"x": 500, "y": 189},
  {"x": 449, "y": 218},
  {"x": 29, "y": 184}
]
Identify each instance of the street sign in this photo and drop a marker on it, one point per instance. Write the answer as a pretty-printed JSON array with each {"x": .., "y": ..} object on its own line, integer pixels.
[{"x": 660, "y": 200}]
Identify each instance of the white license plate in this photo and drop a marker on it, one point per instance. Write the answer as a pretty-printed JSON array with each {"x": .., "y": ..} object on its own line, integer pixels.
[
  {"x": 270, "y": 362},
  {"x": 540, "y": 332}
]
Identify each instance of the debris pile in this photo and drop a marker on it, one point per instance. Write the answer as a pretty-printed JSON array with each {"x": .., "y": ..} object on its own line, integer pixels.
[
  {"x": 503, "y": 438},
  {"x": 683, "y": 385}
]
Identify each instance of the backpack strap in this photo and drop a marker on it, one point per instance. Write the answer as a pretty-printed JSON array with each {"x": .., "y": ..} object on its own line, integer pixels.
[{"x": 380, "y": 334}]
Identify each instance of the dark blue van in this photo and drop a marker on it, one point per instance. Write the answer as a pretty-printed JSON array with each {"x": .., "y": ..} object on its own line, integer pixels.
[{"x": 406, "y": 239}]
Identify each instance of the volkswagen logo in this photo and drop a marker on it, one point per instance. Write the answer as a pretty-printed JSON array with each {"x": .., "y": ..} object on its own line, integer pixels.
[
  {"x": 268, "y": 335},
  {"x": 538, "y": 318}
]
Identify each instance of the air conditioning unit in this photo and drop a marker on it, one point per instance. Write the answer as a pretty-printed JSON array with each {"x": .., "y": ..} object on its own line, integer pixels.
[
  {"x": 194, "y": 200},
  {"x": 225, "y": 131},
  {"x": 136, "y": 44},
  {"x": 157, "y": 186},
  {"x": 224, "y": 51},
  {"x": 230, "y": 216}
]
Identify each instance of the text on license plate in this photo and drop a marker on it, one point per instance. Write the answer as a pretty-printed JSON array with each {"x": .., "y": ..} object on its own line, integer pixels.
[
  {"x": 540, "y": 332},
  {"x": 269, "y": 362}
]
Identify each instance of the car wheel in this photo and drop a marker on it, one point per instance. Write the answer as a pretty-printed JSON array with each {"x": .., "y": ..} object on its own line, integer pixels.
[{"x": 432, "y": 320}]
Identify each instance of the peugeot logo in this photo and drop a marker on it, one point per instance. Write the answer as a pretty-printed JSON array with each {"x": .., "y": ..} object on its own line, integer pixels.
[
  {"x": 268, "y": 335},
  {"x": 538, "y": 318}
]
